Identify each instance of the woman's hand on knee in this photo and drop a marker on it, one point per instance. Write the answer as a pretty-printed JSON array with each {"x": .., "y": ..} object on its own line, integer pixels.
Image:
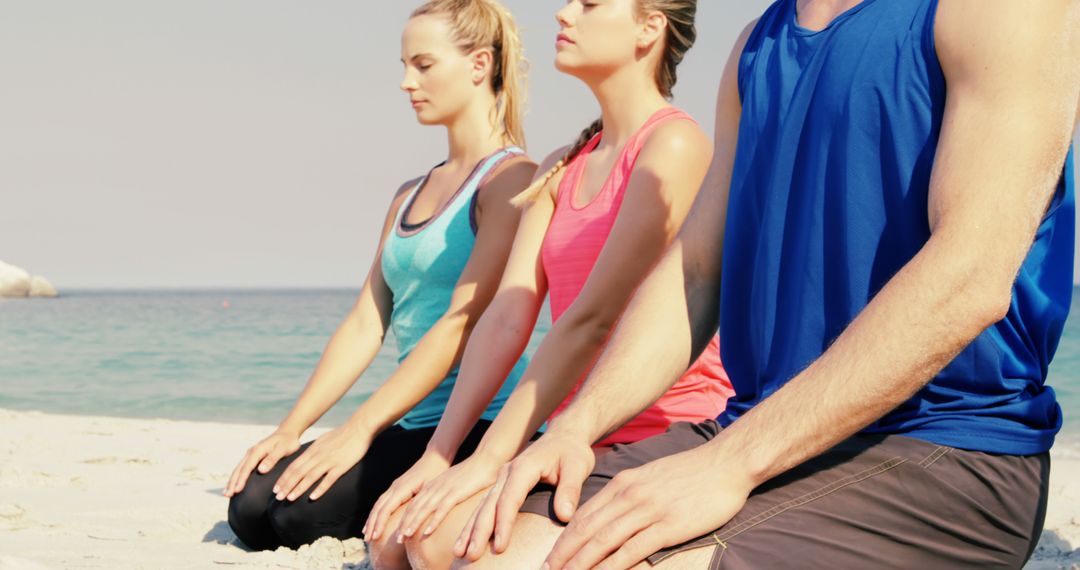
[
  {"x": 439, "y": 496},
  {"x": 262, "y": 456},
  {"x": 428, "y": 467},
  {"x": 555, "y": 459},
  {"x": 324, "y": 462}
]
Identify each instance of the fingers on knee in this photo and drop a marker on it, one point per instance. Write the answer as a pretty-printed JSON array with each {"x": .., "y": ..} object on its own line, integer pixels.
[{"x": 428, "y": 552}]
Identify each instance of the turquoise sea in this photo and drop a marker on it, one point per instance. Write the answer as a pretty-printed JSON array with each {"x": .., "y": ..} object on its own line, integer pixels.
[
  {"x": 229, "y": 356},
  {"x": 216, "y": 355}
]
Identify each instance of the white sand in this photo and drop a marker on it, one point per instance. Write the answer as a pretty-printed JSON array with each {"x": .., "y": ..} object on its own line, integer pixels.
[
  {"x": 1060, "y": 544},
  {"x": 88, "y": 492}
]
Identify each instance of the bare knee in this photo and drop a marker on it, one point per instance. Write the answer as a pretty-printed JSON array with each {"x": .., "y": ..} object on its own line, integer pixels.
[
  {"x": 530, "y": 543},
  {"x": 434, "y": 552},
  {"x": 387, "y": 554}
]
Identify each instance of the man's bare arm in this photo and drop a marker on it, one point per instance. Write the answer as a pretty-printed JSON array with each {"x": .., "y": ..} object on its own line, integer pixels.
[{"x": 1013, "y": 71}]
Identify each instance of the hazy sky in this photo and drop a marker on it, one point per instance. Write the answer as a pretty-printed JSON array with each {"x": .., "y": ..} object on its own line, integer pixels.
[{"x": 240, "y": 142}]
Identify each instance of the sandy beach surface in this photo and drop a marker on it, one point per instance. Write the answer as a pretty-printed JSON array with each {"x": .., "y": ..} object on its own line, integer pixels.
[{"x": 96, "y": 492}]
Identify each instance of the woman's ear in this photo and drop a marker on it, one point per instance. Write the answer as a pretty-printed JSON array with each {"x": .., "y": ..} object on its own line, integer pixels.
[
  {"x": 653, "y": 27},
  {"x": 482, "y": 62}
]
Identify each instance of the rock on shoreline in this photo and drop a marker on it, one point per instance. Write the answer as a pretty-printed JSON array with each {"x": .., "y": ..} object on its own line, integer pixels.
[{"x": 16, "y": 282}]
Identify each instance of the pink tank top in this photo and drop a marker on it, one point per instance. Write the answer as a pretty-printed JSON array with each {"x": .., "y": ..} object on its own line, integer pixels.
[{"x": 570, "y": 250}]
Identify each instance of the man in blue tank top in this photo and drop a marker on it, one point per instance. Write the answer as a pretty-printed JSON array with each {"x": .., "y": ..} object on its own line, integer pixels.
[{"x": 897, "y": 222}]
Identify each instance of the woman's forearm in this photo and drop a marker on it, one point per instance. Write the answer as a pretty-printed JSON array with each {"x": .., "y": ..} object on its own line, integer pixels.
[
  {"x": 499, "y": 340},
  {"x": 427, "y": 366},
  {"x": 567, "y": 353},
  {"x": 349, "y": 352}
]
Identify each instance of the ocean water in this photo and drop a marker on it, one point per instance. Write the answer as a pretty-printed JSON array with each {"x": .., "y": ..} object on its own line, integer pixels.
[{"x": 229, "y": 356}]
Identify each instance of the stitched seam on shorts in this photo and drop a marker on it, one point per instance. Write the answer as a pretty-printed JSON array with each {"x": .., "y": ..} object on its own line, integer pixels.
[
  {"x": 710, "y": 540},
  {"x": 809, "y": 497},
  {"x": 931, "y": 459},
  {"x": 718, "y": 556}
]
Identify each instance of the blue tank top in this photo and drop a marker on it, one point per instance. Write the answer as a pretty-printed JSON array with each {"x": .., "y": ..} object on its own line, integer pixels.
[
  {"x": 422, "y": 265},
  {"x": 829, "y": 199}
]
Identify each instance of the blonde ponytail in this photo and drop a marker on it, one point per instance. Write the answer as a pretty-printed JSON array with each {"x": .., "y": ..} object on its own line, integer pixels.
[
  {"x": 478, "y": 24},
  {"x": 512, "y": 75}
]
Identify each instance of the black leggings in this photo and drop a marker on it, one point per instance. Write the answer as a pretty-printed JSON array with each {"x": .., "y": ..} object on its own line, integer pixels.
[{"x": 263, "y": 523}]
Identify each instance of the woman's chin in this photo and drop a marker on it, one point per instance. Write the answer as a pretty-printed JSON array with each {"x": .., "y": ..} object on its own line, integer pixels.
[
  {"x": 426, "y": 119},
  {"x": 569, "y": 65},
  {"x": 563, "y": 64}
]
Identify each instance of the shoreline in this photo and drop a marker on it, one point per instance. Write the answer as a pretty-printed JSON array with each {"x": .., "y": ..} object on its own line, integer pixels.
[{"x": 104, "y": 492}]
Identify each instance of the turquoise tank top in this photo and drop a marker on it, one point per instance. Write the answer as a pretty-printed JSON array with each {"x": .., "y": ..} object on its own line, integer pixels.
[{"x": 421, "y": 265}]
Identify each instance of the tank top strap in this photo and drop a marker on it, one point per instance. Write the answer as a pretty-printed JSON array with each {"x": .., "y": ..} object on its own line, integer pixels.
[
  {"x": 399, "y": 217},
  {"x": 484, "y": 172},
  {"x": 624, "y": 164},
  {"x": 571, "y": 174},
  {"x": 624, "y": 167},
  {"x": 637, "y": 142},
  {"x": 464, "y": 194},
  {"x": 491, "y": 163},
  {"x": 484, "y": 169}
]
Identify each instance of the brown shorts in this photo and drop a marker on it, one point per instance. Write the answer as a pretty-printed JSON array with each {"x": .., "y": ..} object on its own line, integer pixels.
[{"x": 870, "y": 502}]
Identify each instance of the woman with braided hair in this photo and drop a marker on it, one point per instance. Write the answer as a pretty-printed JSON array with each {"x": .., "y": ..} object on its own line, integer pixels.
[
  {"x": 597, "y": 219},
  {"x": 444, "y": 245}
]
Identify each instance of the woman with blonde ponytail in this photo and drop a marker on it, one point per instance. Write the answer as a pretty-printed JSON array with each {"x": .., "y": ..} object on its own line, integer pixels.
[
  {"x": 443, "y": 248},
  {"x": 596, "y": 221}
]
